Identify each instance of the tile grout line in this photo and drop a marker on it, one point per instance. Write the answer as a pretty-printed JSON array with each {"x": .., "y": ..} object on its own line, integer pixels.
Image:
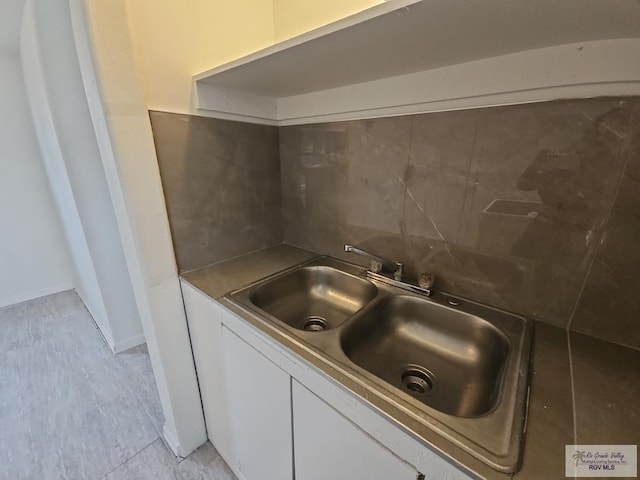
[
  {"x": 606, "y": 222},
  {"x": 472, "y": 155},
  {"x": 129, "y": 459},
  {"x": 181, "y": 273},
  {"x": 81, "y": 355},
  {"x": 147, "y": 410},
  {"x": 573, "y": 391},
  {"x": 144, "y": 405},
  {"x": 584, "y": 283},
  {"x": 403, "y": 181}
]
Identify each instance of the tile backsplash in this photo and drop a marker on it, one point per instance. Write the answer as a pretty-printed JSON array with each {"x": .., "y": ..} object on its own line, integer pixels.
[
  {"x": 221, "y": 183},
  {"x": 609, "y": 306},
  {"x": 505, "y": 205},
  {"x": 532, "y": 208}
]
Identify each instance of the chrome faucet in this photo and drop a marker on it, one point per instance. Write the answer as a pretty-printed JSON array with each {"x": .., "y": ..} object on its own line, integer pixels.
[
  {"x": 378, "y": 264},
  {"x": 423, "y": 285}
]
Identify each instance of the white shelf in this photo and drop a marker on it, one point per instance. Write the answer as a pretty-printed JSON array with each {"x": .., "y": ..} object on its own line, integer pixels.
[{"x": 408, "y": 56}]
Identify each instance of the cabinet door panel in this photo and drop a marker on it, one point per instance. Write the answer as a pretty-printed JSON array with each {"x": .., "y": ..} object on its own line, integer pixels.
[
  {"x": 259, "y": 400},
  {"x": 205, "y": 328},
  {"x": 330, "y": 447}
]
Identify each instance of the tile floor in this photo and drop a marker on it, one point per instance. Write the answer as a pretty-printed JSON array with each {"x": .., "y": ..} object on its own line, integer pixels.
[{"x": 70, "y": 409}]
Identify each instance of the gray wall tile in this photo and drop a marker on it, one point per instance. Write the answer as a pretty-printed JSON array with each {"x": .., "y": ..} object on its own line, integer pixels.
[
  {"x": 609, "y": 306},
  {"x": 506, "y": 205},
  {"x": 606, "y": 386},
  {"x": 221, "y": 181}
]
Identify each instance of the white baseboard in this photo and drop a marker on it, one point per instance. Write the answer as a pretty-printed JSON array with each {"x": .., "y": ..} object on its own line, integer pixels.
[
  {"x": 116, "y": 347},
  {"x": 98, "y": 319},
  {"x": 37, "y": 293},
  {"x": 123, "y": 345}
]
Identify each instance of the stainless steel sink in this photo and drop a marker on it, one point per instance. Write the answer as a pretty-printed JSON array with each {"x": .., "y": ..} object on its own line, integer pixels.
[
  {"x": 314, "y": 298},
  {"x": 441, "y": 365},
  {"x": 449, "y": 360}
]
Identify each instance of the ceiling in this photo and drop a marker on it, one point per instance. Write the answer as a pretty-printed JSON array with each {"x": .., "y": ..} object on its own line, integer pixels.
[{"x": 10, "y": 20}]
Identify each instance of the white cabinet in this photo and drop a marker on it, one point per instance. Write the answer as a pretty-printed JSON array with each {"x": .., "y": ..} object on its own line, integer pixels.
[
  {"x": 264, "y": 423},
  {"x": 246, "y": 398},
  {"x": 328, "y": 446},
  {"x": 259, "y": 402}
]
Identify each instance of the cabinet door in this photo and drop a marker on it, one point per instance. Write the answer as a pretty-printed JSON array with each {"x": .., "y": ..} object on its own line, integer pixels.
[
  {"x": 330, "y": 447},
  {"x": 259, "y": 400},
  {"x": 204, "y": 317}
]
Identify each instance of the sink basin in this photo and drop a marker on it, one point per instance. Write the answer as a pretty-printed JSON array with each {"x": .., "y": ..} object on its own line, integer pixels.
[
  {"x": 313, "y": 298},
  {"x": 441, "y": 367},
  {"x": 449, "y": 360}
]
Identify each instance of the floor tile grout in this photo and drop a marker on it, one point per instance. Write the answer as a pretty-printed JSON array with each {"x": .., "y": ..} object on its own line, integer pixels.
[
  {"x": 76, "y": 410},
  {"x": 127, "y": 460}
]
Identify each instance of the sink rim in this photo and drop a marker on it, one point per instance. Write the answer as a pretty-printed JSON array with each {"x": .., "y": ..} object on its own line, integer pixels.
[{"x": 506, "y": 422}]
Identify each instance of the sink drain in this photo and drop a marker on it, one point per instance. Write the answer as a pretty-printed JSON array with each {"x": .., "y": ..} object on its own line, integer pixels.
[
  {"x": 417, "y": 379},
  {"x": 314, "y": 324}
]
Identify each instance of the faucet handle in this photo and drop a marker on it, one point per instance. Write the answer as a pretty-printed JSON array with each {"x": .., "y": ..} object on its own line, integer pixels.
[
  {"x": 375, "y": 266},
  {"x": 399, "y": 272},
  {"x": 426, "y": 280}
]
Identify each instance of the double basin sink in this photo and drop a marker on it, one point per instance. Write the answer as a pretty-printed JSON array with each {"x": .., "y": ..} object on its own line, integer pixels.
[{"x": 457, "y": 367}]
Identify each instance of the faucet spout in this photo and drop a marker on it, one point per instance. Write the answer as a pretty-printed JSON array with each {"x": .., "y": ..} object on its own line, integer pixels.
[{"x": 378, "y": 264}]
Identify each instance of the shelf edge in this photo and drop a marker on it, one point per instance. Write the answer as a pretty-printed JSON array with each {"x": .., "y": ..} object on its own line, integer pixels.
[{"x": 587, "y": 69}]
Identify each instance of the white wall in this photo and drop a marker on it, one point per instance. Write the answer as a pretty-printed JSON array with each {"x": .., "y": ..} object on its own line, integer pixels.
[
  {"x": 175, "y": 40},
  {"x": 86, "y": 282},
  {"x": 34, "y": 259},
  {"x": 139, "y": 55},
  {"x": 70, "y": 151},
  {"x": 293, "y": 17},
  {"x": 123, "y": 130}
]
